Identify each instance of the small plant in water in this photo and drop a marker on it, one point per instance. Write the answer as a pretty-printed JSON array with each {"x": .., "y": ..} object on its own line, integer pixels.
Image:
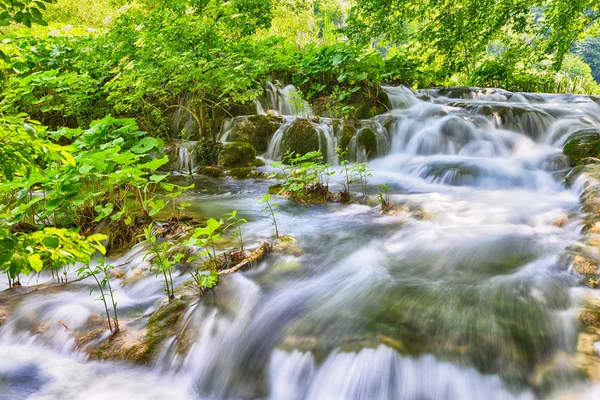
[
  {"x": 341, "y": 154},
  {"x": 236, "y": 223},
  {"x": 102, "y": 278},
  {"x": 207, "y": 236},
  {"x": 362, "y": 173},
  {"x": 266, "y": 200},
  {"x": 161, "y": 259},
  {"x": 384, "y": 196}
]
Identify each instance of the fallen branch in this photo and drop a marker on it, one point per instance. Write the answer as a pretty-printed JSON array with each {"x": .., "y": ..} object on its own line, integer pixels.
[{"x": 256, "y": 255}]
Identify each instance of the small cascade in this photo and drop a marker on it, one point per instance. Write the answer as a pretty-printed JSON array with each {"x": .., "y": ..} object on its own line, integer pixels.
[
  {"x": 186, "y": 157},
  {"x": 288, "y": 101},
  {"x": 325, "y": 135},
  {"x": 379, "y": 374}
]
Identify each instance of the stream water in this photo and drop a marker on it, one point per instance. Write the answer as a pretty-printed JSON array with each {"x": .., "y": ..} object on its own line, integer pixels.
[{"x": 472, "y": 300}]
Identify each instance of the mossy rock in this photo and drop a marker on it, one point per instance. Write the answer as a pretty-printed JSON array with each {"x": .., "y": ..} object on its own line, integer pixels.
[
  {"x": 347, "y": 134},
  {"x": 582, "y": 145},
  {"x": 367, "y": 140},
  {"x": 369, "y": 102},
  {"x": 246, "y": 173},
  {"x": 301, "y": 137},
  {"x": 238, "y": 154},
  {"x": 240, "y": 172},
  {"x": 256, "y": 130},
  {"x": 258, "y": 163},
  {"x": 212, "y": 172}
]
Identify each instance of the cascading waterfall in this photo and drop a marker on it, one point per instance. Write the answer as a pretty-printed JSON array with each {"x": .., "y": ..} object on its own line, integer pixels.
[{"x": 466, "y": 295}]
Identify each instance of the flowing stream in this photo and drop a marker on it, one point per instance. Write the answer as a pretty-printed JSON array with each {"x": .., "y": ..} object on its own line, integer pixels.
[{"x": 466, "y": 295}]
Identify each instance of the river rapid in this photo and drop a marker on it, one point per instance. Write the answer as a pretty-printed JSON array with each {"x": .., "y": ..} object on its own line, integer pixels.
[{"x": 469, "y": 295}]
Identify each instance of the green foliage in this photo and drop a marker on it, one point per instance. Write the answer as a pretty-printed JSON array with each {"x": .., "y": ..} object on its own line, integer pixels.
[
  {"x": 162, "y": 260},
  {"x": 48, "y": 249},
  {"x": 24, "y": 12},
  {"x": 101, "y": 276},
  {"x": 233, "y": 221},
  {"x": 206, "y": 237},
  {"x": 383, "y": 196},
  {"x": 456, "y": 35},
  {"x": 270, "y": 207},
  {"x": 307, "y": 177}
]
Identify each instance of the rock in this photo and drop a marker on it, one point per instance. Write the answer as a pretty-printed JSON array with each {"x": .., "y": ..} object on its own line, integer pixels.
[
  {"x": 240, "y": 173},
  {"x": 258, "y": 163},
  {"x": 3, "y": 315},
  {"x": 256, "y": 130},
  {"x": 582, "y": 145},
  {"x": 210, "y": 171},
  {"x": 301, "y": 137},
  {"x": 590, "y": 318},
  {"x": 246, "y": 173},
  {"x": 584, "y": 266},
  {"x": 367, "y": 140},
  {"x": 238, "y": 154},
  {"x": 347, "y": 134}
]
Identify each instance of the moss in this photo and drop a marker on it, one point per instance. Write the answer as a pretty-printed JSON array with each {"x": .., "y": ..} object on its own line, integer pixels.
[
  {"x": 162, "y": 323},
  {"x": 240, "y": 172},
  {"x": 213, "y": 172},
  {"x": 368, "y": 102},
  {"x": 368, "y": 141},
  {"x": 301, "y": 137},
  {"x": 347, "y": 134},
  {"x": 258, "y": 163},
  {"x": 256, "y": 130},
  {"x": 582, "y": 145},
  {"x": 238, "y": 154}
]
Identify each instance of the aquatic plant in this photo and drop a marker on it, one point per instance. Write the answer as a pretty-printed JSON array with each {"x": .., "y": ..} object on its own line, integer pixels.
[
  {"x": 162, "y": 259},
  {"x": 233, "y": 221},
  {"x": 383, "y": 196},
  {"x": 102, "y": 278},
  {"x": 266, "y": 200}
]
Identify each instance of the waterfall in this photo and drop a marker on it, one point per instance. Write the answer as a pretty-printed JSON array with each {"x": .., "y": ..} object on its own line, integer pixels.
[{"x": 288, "y": 101}]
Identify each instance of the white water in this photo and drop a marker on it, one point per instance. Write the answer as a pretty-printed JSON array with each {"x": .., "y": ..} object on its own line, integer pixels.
[{"x": 460, "y": 304}]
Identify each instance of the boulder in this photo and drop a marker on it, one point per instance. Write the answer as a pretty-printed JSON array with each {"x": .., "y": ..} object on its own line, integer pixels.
[
  {"x": 582, "y": 145},
  {"x": 238, "y": 154},
  {"x": 256, "y": 130},
  {"x": 301, "y": 137}
]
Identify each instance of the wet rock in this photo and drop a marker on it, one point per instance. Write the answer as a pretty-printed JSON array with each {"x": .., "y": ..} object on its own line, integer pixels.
[
  {"x": 211, "y": 171},
  {"x": 3, "y": 315},
  {"x": 367, "y": 140},
  {"x": 581, "y": 146},
  {"x": 238, "y": 154},
  {"x": 256, "y": 130},
  {"x": 584, "y": 265},
  {"x": 590, "y": 318},
  {"x": 258, "y": 162},
  {"x": 301, "y": 137},
  {"x": 246, "y": 173},
  {"x": 347, "y": 134}
]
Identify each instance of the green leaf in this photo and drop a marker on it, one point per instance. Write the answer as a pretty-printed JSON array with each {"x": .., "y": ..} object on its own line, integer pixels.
[
  {"x": 145, "y": 145},
  {"x": 51, "y": 242},
  {"x": 209, "y": 281},
  {"x": 35, "y": 262}
]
